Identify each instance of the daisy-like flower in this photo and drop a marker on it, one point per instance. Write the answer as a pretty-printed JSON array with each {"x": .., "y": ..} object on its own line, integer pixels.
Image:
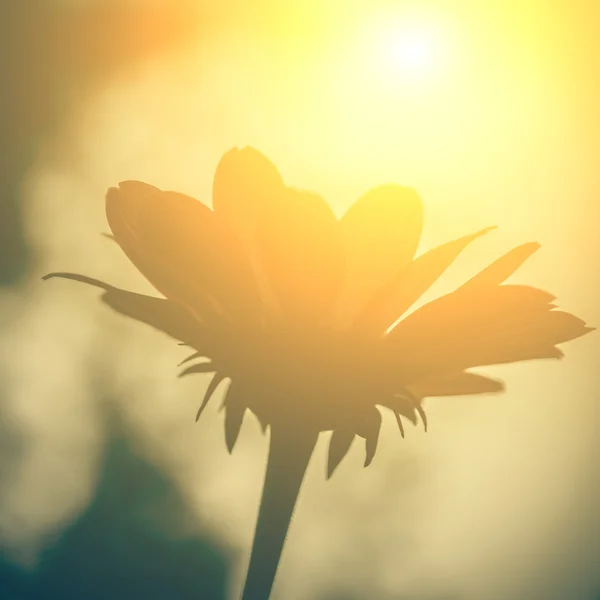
[{"x": 303, "y": 315}]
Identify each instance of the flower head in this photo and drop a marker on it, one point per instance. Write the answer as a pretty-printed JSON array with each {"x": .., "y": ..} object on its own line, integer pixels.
[{"x": 303, "y": 313}]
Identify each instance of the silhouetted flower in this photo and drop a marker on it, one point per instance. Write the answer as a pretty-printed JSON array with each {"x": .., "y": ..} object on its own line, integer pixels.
[{"x": 302, "y": 312}]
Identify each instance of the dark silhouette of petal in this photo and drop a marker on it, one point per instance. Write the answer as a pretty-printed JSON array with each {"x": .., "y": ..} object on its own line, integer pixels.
[
  {"x": 162, "y": 314},
  {"x": 557, "y": 327},
  {"x": 471, "y": 306},
  {"x": 191, "y": 357},
  {"x": 341, "y": 440},
  {"x": 402, "y": 405},
  {"x": 302, "y": 254},
  {"x": 407, "y": 405},
  {"x": 186, "y": 252},
  {"x": 422, "y": 414},
  {"x": 381, "y": 231},
  {"x": 213, "y": 384},
  {"x": 456, "y": 384},
  {"x": 203, "y": 367},
  {"x": 235, "y": 410},
  {"x": 500, "y": 270},
  {"x": 480, "y": 327},
  {"x": 371, "y": 434},
  {"x": 393, "y": 300},
  {"x": 400, "y": 426}
]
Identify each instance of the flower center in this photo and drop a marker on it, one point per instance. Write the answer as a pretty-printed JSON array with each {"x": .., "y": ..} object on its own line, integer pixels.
[{"x": 320, "y": 376}]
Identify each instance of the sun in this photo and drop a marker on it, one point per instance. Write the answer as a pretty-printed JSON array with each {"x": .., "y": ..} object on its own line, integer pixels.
[
  {"x": 413, "y": 52},
  {"x": 410, "y": 51}
]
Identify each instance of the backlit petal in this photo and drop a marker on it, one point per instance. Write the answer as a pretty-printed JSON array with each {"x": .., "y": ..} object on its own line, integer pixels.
[
  {"x": 490, "y": 326},
  {"x": 393, "y": 300},
  {"x": 302, "y": 254},
  {"x": 469, "y": 308},
  {"x": 183, "y": 250},
  {"x": 245, "y": 186},
  {"x": 500, "y": 270},
  {"x": 381, "y": 231}
]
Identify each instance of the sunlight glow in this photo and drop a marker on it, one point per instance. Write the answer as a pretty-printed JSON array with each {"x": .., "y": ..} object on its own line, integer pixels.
[
  {"x": 410, "y": 49},
  {"x": 413, "y": 52}
]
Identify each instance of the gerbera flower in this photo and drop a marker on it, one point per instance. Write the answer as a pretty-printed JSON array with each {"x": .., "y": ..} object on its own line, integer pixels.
[{"x": 302, "y": 313}]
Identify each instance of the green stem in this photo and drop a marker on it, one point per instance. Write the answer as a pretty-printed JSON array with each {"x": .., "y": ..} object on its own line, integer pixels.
[{"x": 289, "y": 454}]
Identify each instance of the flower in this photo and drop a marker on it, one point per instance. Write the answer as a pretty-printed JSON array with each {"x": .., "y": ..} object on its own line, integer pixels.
[
  {"x": 304, "y": 313},
  {"x": 253, "y": 285}
]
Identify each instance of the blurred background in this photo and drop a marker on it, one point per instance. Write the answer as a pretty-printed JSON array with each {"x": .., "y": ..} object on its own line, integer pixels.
[{"x": 108, "y": 489}]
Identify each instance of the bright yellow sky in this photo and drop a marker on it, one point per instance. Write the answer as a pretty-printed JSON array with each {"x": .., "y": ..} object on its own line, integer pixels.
[
  {"x": 348, "y": 93},
  {"x": 488, "y": 109}
]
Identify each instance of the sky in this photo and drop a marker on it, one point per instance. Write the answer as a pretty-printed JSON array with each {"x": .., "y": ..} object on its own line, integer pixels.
[{"x": 489, "y": 110}]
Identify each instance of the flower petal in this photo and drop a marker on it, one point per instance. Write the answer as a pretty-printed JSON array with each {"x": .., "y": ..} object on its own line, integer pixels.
[
  {"x": 246, "y": 185},
  {"x": 393, "y": 300},
  {"x": 456, "y": 384},
  {"x": 401, "y": 406},
  {"x": 481, "y": 327},
  {"x": 191, "y": 357},
  {"x": 400, "y": 426},
  {"x": 165, "y": 315},
  {"x": 372, "y": 430},
  {"x": 235, "y": 410},
  {"x": 302, "y": 254},
  {"x": 183, "y": 250},
  {"x": 501, "y": 269},
  {"x": 341, "y": 440},
  {"x": 382, "y": 231},
  {"x": 202, "y": 367},
  {"x": 213, "y": 384},
  {"x": 469, "y": 305}
]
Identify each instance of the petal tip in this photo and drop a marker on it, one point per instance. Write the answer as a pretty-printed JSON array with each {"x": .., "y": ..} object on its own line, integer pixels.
[
  {"x": 131, "y": 182},
  {"x": 530, "y": 248},
  {"x": 81, "y": 278},
  {"x": 488, "y": 229},
  {"x": 586, "y": 330},
  {"x": 339, "y": 445},
  {"x": 330, "y": 469},
  {"x": 131, "y": 187}
]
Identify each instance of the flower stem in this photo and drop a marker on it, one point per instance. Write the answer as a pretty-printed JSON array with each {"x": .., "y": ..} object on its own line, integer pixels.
[{"x": 289, "y": 454}]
